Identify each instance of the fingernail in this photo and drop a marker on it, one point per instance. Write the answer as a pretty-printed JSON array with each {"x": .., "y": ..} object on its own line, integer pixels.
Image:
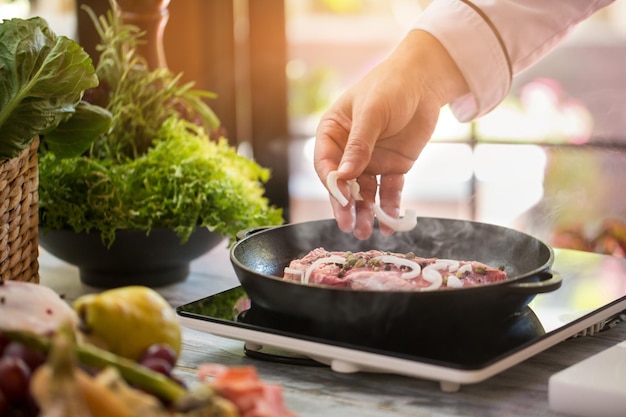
[
  {"x": 346, "y": 167},
  {"x": 346, "y": 226}
]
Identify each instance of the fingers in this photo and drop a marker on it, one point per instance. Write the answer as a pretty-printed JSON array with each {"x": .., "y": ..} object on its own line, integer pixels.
[
  {"x": 358, "y": 215},
  {"x": 344, "y": 215},
  {"x": 330, "y": 139},
  {"x": 359, "y": 147},
  {"x": 339, "y": 146},
  {"x": 364, "y": 211},
  {"x": 368, "y": 122},
  {"x": 390, "y": 194},
  {"x": 362, "y": 216}
]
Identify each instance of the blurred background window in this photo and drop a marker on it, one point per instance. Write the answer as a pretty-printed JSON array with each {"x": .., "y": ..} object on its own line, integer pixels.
[{"x": 549, "y": 160}]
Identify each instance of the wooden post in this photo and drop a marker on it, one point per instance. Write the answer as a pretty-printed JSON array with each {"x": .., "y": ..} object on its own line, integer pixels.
[
  {"x": 151, "y": 17},
  {"x": 200, "y": 44},
  {"x": 268, "y": 95},
  {"x": 205, "y": 41},
  {"x": 86, "y": 34}
]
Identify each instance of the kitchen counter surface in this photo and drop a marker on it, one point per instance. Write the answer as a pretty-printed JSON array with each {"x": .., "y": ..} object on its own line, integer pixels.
[{"x": 317, "y": 391}]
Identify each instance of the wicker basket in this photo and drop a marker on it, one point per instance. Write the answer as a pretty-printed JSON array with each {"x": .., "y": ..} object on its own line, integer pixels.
[{"x": 19, "y": 205}]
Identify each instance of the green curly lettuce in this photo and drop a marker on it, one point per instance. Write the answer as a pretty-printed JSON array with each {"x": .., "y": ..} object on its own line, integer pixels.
[{"x": 183, "y": 181}]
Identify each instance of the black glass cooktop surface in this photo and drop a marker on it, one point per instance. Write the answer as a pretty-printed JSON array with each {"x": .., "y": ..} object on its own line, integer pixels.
[{"x": 592, "y": 298}]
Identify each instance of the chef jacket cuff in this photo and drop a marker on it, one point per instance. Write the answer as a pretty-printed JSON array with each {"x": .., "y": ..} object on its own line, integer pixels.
[{"x": 478, "y": 51}]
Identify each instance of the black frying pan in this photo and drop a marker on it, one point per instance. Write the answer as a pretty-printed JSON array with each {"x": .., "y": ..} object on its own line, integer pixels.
[{"x": 260, "y": 256}]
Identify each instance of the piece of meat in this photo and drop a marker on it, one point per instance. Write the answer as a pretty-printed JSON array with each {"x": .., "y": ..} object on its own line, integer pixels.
[
  {"x": 242, "y": 386},
  {"x": 33, "y": 307},
  {"x": 385, "y": 271}
]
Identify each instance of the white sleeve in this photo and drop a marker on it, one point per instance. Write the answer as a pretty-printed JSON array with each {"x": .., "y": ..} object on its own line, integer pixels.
[{"x": 492, "y": 40}]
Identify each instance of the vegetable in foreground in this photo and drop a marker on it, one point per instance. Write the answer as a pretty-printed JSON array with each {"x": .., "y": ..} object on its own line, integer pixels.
[{"x": 54, "y": 370}]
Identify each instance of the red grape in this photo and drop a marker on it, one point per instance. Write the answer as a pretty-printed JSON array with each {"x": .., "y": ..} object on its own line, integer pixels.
[
  {"x": 14, "y": 378},
  {"x": 162, "y": 351},
  {"x": 29, "y": 407},
  {"x": 159, "y": 365},
  {"x": 4, "y": 404},
  {"x": 4, "y": 341},
  {"x": 31, "y": 357}
]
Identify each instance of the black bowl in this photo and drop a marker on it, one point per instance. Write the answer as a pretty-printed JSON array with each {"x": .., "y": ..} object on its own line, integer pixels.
[{"x": 134, "y": 258}]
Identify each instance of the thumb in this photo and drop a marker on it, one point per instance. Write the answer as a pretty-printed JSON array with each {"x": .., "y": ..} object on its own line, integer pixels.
[{"x": 359, "y": 147}]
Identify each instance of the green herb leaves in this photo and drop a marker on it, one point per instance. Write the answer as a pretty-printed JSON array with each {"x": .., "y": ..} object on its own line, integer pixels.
[
  {"x": 42, "y": 79},
  {"x": 184, "y": 181},
  {"x": 157, "y": 166},
  {"x": 140, "y": 99}
]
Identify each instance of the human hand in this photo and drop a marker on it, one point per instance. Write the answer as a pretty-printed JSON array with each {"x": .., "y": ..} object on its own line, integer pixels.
[{"x": 378, "y": 127}]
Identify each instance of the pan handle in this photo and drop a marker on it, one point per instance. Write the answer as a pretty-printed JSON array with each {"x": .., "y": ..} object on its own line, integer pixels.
[
  {"x": 242, "y": 234},
  {"x": 548, "y": 281}
]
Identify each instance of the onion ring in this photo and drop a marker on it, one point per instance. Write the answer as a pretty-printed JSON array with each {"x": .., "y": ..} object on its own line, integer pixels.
[
  {"x": 433, "y": 276},
  {"x": 402, "y": 224},
  {"x": 451, "y": 264},
  {"x": 333, "y": 259},
  {"x": 467, "y": 268},
  {"x": 355, "y": 190},
  {"x": 454, "y": 282},
  {"x": 391, "y": 259},
  {"x": 293, "y": 271},
  {"x": 333, "y": 187}
]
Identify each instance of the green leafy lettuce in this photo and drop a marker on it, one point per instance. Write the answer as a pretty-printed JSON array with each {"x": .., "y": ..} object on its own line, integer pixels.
[
  {"x": 183, "y": 181},
  {"x": 42, "y": 80}
]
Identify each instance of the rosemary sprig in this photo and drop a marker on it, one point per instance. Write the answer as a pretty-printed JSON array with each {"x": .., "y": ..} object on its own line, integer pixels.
[{"x": 139, "y": 98}]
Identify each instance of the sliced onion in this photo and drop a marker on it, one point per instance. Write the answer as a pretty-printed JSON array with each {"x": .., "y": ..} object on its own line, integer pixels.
[
  {"x": 293, "y": 271},
  {"x": 465, "y": 268},
  {"x": 355, "y": 190},
  {"x": 331, "y": 180},
  {"x": 403, "y": 224},
  {"x": 334, "y": 259},
  {"x": 433, "y": 276},
  {"x": 454, "y": 282},
  {"x": 396, "y": 260},
  {"x": 450, "y": 264}
]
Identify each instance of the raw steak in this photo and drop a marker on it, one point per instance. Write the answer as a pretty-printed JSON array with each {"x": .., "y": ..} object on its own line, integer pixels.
[{"x": 386, "y": 271}]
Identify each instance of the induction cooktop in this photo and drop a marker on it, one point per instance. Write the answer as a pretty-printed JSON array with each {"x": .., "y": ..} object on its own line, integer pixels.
[{"x": 592, "y": 298}]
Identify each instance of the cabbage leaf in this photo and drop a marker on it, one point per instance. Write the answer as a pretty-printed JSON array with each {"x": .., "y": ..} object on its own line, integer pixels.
[{"x": 42, "y": 80}]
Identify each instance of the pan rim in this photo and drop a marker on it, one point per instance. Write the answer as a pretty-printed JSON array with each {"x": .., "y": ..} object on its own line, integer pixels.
[{"x": 546, "y": 267}]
